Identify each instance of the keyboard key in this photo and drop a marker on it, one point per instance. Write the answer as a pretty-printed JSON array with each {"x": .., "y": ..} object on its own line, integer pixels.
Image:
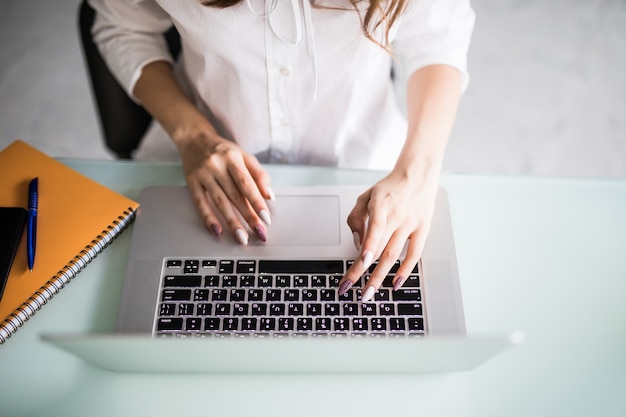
[
  {"x": 191, "y": 266},
  {"x": 167, "y": 309},
  {"x": 255, "y": 295},
  {"x": 415, "y": 324},
  {"x": 182, "y": 281},
  {"x": 266, "y": 281},
  {"x": 212, "y": 281},
  {"x": 328, "y": 295},
  {"x": 304, "y": 324},
  {"x": 359, "y": 324},
  {"x": 341, "y": 324},
  {"x": 368, "y": 309},
  {"x": 313, "y": 309},
  {"x": 247, "y": 281},
  {"x": 222, "y": 309},
  {"x": 309, "y": 295},
  {"x": 204, "y": 309},
  {"x": 412, "y": 281},
  {"x": 386, "y": 309},
  {"x": 318, "y": 281},
  {"x": 230, "y": 323},
  {"x": 404, "y": 294},
  {"x": 296, "y": 309},
  {"x": 176, "y": 295},
  {"x": 378, "y": 324},
  {"x": 170, "y": 324},
  {"x": 301, "y": 281},
  {"x": 248, "y": 324},
  {"x": 229, "y": 281},
  {"x": 185, "y": 309},
  {"x": 272, "y": 295},
  {"x": 381, "y": 295},
  {"x": 226, "y": 267},
  {"x": 350, "y": 309},
  {"x": 219, "y": 295},
  {"x": 292, "y": 295},
  {"x": 246, "y": 267},
  {"x": 237, "y": 295},
  {"x": 277, "y": 309},
  {"x": 396, "y": 324},
  {"x": 332, "y": 309},
  {"x": 267, "y": 324},
  {"x": 285, "y": 323},
  {"x": 348, "y": 296},
  {"x": 333, "y": 281},
  {"x": 201, "y": 295},
  {"x": 240, "y": 309},
  {"x": 322, "y": 324},
  {"x": 174, "y": 263},
  {"x": 409, "y": 309},
  {"x": 283, "y": 281},
  {"x": 211, "y": 323},
  {"x": 209, "y": 264},
  {"x": 301, "y": 267},
  {"x": 259, "y": 309},
  {"x": 193, "y": 324}
]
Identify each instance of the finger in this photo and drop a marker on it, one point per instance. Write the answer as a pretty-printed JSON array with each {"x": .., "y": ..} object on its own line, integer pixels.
[
  {"x": 414, "y": 252},
  {"x": 246, "y": 195},
  {"x": 386, "y": 261},
  {"x": 260, "y": 176},
  {"x": 201, "y": 200},
  {"x": 228, "y": 211},
  {"x": 357, "y": 219}
]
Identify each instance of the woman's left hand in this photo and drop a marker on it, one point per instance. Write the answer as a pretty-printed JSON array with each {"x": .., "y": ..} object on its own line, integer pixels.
[{"x": 396, "y": 209}]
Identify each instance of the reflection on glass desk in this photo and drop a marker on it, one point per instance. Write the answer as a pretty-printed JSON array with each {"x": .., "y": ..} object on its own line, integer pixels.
[{"x": 542, "y": 255}]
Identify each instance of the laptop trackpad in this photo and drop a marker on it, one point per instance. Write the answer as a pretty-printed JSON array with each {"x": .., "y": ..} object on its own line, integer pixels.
[{"x": 303, "y": 220}]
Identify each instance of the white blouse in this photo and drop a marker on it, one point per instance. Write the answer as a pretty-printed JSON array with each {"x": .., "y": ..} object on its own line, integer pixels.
[{"x": 289, "y": 81}]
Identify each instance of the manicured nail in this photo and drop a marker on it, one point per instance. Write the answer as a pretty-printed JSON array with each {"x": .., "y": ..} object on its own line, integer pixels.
[
  {"x": 344, "y": 287},
  {"x": 357, "y": 240},
  {"x": 260, "y": 232},
  {"x": 399, "y": 282},
  {"x": 241, "y": 237},
  {"x": 265, "y": 216},
  {"x": 270, "y": 193},
  {"x": 215, "y": 229},
  {"x": 367, "y": 258},
  {"x": 368, "y": 294}
]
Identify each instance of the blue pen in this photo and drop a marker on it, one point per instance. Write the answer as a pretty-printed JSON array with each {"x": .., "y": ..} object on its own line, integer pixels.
[{"x": 31, "y": 238}]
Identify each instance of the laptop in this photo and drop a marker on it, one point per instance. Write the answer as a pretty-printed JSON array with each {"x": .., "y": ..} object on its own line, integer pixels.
[{"x": 202, "y": 294}]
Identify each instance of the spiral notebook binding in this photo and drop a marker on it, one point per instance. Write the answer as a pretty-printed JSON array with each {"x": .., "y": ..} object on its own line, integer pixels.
[{"x": 65, "y": 275}]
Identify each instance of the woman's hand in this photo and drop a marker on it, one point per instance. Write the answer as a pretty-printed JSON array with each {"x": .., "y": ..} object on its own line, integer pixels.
[
  {"x": 396, "y": 209},
  {"x": 226, "y": 184}
]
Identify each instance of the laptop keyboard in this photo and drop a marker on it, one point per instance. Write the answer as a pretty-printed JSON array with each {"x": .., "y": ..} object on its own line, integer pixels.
[{"x": 278, "y": 298}]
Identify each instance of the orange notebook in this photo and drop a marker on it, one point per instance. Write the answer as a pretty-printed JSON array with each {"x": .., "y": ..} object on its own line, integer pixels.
[{"x": 77, "y": 218}]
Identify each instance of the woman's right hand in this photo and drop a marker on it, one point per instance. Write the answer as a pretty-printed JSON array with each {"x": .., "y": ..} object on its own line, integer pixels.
[{"x": 226, "y": 183}]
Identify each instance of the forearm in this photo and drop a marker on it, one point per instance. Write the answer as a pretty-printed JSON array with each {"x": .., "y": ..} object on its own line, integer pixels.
[
  {"x": 433, "y": 95},
  {"x": 160, "y": 93}
]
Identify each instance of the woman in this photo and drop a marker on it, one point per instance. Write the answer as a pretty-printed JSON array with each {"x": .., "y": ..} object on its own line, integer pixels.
[{"x": 300, "y": 81}]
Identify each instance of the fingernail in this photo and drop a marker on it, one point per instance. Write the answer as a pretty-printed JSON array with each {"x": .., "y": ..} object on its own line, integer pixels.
[
  {"x": 357, "y": 240},
  {"x": 344, "y": 287},
  {"x": 270, "y": 192},
  {"x": 265, "y": 216},
  {"x": 215, "y": 229},
  {"x": 367, "y": 258},
  {"x": 241, "y": 237},
  {"x": 399, "y": 282},
  {"x": 368, "y": 294},
  {"x": 260, "y": 232}
]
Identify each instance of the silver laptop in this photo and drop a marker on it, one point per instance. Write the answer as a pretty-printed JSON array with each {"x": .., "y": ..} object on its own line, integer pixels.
[
  {"x": 183, "y": 282},
  {"x": 208, "y": 295}
]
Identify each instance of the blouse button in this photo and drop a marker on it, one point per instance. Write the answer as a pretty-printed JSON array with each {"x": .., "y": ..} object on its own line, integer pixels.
[{"x": 284, "y": 71}]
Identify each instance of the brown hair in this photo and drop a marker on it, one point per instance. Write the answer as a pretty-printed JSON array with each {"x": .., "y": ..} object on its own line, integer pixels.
[{"x": 379, "y": 13}]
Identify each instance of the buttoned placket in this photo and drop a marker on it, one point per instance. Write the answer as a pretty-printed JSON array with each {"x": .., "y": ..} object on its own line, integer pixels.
[{"x": 281, "y": 61}]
